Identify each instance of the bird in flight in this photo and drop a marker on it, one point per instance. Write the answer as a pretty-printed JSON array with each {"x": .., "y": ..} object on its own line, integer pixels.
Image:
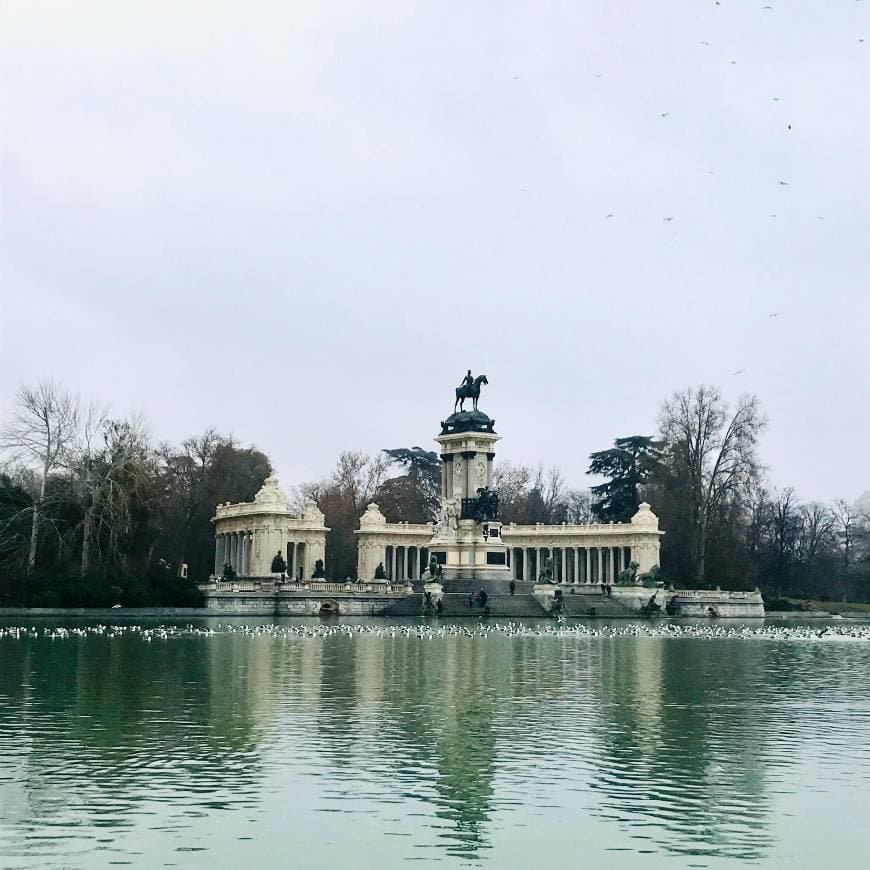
[
  {"x": 608, "y": 216},
  {"x": 703, "y": 42},
  {"x": 667, "y": 219},
  {"x": 665, "y": 114},
  {"x": 767, "y": 7},
  {"x": 783, "y": 183},
  {"x": 775, "y": 99},
  {"x": 775, "y": 314},
  {"x": 738, "y": 372}
]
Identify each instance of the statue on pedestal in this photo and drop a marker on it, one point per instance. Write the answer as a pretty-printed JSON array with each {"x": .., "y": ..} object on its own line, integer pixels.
[
  {"x": 486, "y": 507},
  {"x": 279, "y": 566},
  {"x": 319, "y": 573},
  {"x": 434, "y": 570},
  {"x": 380, "y": 572},
  {"x": 548, "y": 573},
  {"x": 469, "y": 389}
]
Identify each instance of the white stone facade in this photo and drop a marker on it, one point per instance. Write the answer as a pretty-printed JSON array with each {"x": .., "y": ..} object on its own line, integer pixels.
[
  {"x": 402, "y": 548},
  {"x": 248, "y": 535},
  {"x": 584, "y": 553}
]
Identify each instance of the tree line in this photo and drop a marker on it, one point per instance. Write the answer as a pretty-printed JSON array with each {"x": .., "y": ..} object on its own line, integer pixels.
[{"x": 92, "y": 511}]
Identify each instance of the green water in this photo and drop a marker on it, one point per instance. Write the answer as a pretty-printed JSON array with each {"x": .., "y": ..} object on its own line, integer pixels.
[{"x": 240, "y": 749}]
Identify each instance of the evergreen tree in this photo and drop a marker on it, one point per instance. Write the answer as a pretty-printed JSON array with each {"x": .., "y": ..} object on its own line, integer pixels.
[{"x": 629, "y": 464}]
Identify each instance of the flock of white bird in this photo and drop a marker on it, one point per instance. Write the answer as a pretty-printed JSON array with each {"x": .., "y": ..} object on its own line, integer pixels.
[{"x": 431, "y": 631}]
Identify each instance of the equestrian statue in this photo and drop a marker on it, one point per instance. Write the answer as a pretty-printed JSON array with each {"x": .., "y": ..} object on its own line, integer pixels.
[{"x": 469, "y": 389}]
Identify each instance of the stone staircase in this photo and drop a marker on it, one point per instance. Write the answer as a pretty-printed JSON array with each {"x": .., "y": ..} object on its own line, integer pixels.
[{"x": 599, "y": 606}]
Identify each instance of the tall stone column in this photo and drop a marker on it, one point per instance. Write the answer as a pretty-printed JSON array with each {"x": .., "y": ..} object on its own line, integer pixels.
[
  {"x": 600, "y": 577},
  {"x": 526, "y": 564},
  {"x": 489, "y": 459},
  {"x": 611, "y": 577},
  {"x": 217, "y": 554},
  {"x": 564, "y": 577},
  {"x": 576, "y": 564}
]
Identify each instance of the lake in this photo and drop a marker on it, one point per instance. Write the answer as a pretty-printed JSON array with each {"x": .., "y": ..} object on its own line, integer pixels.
[{"x": 325, "y": 745}]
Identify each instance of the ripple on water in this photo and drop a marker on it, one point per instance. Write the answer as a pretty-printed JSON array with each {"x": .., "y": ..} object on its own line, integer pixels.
[{"x": 192, "y": 740}]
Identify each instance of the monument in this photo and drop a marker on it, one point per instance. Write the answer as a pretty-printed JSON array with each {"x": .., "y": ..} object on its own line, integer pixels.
[{"x": 467, "y": 541}]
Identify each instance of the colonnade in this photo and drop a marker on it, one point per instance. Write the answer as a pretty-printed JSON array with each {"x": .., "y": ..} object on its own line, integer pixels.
[
  {"x": 405, "y": 563},
  {"x": 234, "y": 548},
  {"x": 570, "y": 564}
]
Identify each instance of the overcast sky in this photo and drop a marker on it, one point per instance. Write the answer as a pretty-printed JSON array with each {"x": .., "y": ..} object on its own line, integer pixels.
[{"x": 302, "y": 222}]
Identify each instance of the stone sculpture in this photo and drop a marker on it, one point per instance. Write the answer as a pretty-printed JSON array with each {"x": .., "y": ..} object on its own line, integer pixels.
[
  {"x": 434, "y": 569},
  {"x": 319, "y": 573},
  {"x": 548, "y": 572},
  {"x": 380, "y": 572}
]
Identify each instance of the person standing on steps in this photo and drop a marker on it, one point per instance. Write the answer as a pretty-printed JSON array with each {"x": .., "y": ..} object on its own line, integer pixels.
[{"x": 512, "y": 586}]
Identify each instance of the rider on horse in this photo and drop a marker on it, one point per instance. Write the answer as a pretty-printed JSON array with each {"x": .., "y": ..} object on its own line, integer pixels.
[{"x": 467, "y": 381}]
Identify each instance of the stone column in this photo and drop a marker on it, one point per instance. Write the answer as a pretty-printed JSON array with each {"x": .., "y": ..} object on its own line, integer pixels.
[
  {"x": 564, "y": 577},
  {"x": 489, "y": 458},
  {"x": 526, "y": 564},
  {"x": 291, "y": 560},
  {"x": 469, "y": 474},
  {"x": 611, "y": 577},
  {"x": 393, "y": 563},
  {"x": 576, "y": 564},
  {"x": 600, "y": 577},
  {"x": 243, "y": 541}
]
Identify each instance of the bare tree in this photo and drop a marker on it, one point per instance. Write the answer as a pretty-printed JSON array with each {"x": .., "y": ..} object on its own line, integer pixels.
[
  {"x": 845, "y": 527},
  {"x": 41, "y": 432},
  {"x": 712, "y": 452},
  {"x": 113, "y": 478},
  {"x": 817, "y": 532}
]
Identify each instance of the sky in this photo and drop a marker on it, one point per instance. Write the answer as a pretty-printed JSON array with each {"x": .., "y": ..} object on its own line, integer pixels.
[{"x": 302, "y": 222}]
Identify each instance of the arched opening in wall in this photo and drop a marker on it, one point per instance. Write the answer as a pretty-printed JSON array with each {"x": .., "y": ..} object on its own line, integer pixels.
[{"x": 329, "y": 608}]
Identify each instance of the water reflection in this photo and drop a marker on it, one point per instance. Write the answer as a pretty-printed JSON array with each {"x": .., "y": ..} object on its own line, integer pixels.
[{"x": 667, "y": 745}]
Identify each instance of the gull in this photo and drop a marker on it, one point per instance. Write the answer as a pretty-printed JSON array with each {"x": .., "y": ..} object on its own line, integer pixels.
[
  {"x": 789, "y": 126},
  {"x": 665, "y": 114},
  {"x": 606, "y": 217},
  {"x": 738, "y": 372},
  {"x": 775, "y": 314},
  {"x": 667, "y": 219},
  {"x": 783, "y": 183},
  {"x": 775, "y": 99},
  {"x": 767, "y": 7},
  {"x": 703, "y": 42}
]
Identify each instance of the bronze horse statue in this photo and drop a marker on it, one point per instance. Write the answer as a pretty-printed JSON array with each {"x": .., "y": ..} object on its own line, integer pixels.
[{"x": 472, "y": 391}]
